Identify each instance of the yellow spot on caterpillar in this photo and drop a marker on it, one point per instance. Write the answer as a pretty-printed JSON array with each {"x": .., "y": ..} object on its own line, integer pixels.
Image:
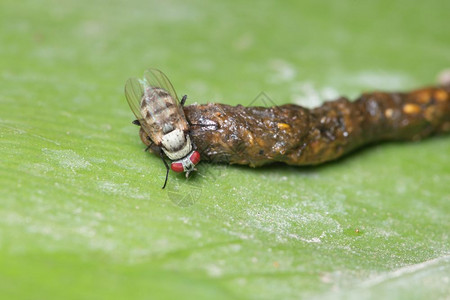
[
  {"x": 440, "y": 95},
  {"x": 423, "y": 97},
  {"x": 250, "y": 137},
  {"x": 283, "y": 126},
  {"x": 389, "y": 113},
  {"x": 411, "y": 109}
]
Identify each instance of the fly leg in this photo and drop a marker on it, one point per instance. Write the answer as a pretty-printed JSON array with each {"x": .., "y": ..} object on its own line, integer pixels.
[
  {"x": 183, "y": 100},
  {"x": 150, "y": 145},
  {"x": 201, "y": 125},
  {"x": 161, "y": 154},
  {"x": 204, "y": 125}
]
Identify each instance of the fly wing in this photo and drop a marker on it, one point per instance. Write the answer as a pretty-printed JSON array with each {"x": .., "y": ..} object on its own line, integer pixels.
[
  {"x": 157, "y": 79},
  {"x": 134, "y": 91}
]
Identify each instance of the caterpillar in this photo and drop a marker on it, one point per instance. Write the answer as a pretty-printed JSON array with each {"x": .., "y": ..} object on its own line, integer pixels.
[{"x": 295, "y": 135}]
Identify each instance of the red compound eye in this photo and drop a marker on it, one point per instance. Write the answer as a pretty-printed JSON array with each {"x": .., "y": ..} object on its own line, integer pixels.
[
  {"x": 177, "y": 167},
  {"x": 195, "y": 157}
]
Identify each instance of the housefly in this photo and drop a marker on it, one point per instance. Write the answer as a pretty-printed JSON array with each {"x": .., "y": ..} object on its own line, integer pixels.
[{"x": 163, "y": 125}]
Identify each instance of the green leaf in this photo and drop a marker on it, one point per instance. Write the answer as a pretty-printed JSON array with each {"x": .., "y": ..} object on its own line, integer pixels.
[{"x": 82, "y": 212}]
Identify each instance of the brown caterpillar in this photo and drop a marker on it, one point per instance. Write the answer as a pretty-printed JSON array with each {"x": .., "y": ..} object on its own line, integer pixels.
[{"x": 295, "y": 135}]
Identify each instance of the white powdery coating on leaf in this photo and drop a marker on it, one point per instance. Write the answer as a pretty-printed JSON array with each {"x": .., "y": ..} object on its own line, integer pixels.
[
  {"x": 444, "y": 77},
  {"x": 283, "y": 71},
  {"x": 380, "y": 80},
  {"x": 297, "y": 222},
  {"x": 417, "y": 268},
  {"x": 214, "y": 270},
  {"x": 67, "y": 159},
  {"x": 306, "y": 95},
  {"x": 122, "y": 189}
]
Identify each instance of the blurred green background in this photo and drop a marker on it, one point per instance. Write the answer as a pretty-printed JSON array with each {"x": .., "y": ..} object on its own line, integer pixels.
[{"x": 82, "y": 213}]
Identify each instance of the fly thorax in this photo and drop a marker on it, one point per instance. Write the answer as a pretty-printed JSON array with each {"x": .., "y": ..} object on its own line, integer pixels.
[{"x": 176, "y": 144}]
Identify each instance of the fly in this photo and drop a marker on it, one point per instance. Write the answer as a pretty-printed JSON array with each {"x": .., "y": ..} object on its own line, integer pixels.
[{"x": 163, "y": 125}]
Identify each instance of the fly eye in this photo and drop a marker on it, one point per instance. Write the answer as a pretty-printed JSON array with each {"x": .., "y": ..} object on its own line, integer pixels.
[
  {"x": 177, "y": 167},
  {"x": 195, "y": 157}
]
